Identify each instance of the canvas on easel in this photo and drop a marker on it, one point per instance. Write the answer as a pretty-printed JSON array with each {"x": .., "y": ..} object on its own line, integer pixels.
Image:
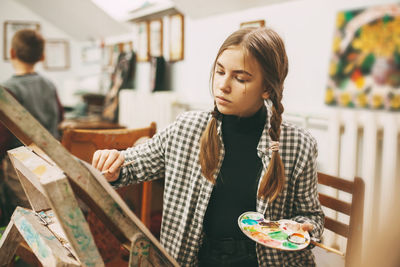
[
  {"x": 56, "y": 229},
  {"x": 70, "y": 177}
]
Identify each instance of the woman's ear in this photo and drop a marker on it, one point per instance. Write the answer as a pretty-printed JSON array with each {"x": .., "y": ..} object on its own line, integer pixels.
[{"x": 265, "y": 95}]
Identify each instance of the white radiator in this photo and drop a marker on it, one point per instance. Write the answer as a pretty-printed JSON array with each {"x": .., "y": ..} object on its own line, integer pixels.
[
  {"x": 366, "y": 144},
  {"x": 138, "y": 109},
  {"x": 359, "y": 143}
]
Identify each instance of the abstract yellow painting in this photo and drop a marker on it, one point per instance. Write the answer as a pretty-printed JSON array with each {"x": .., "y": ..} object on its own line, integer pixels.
[{"x": 364, "y": 71}]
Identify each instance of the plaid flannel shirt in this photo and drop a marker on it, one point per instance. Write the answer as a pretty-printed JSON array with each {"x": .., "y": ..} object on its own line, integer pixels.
[{"x": 173, "y": 154}]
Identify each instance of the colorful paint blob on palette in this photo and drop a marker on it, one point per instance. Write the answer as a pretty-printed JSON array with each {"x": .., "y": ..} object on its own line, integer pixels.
[{"x": 282, "y": 234}]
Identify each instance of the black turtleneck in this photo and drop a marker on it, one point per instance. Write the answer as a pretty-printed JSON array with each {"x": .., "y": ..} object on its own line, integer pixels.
[{"x": 236, "y": 188}]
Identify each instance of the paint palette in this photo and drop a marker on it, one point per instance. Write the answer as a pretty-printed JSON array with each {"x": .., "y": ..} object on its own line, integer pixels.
[{"x": 282, "y": 234}]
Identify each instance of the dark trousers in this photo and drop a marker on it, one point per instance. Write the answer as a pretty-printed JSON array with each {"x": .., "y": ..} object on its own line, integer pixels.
[{"x": 228, "y": 252}]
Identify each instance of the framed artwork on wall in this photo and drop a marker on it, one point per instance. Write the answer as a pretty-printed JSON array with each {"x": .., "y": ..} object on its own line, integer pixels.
[
  {"x": 143, "y": 41},
  {"x": 107, "y": 56},
  {"x": 10, "y": 28},
  {"x": 176, "y": 37},
  {"x": 254, "y": 23},
  {"x": 156, "y": 38},
  {"x": 91, "y": 54},
  {"x": 364, "y": 71},
  {"x": 56, "y": 55}
]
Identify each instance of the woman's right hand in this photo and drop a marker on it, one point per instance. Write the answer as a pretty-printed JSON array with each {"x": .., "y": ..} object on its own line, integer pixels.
[{"x": 109, "y": 161}]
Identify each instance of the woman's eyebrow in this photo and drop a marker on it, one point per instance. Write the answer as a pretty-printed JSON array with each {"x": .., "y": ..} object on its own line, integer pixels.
[
  {"x": 235, "y": 71},
  {"x": 220, "y": 65}
]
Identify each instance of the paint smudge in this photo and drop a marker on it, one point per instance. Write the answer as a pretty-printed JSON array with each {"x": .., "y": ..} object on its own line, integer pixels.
[
  {"x": 249, "y": 222},
  {"x": 140, "y": 252},
  {"x": 22, "y": 156},
  {"x": 76, "y": 220},
  {"x": 279, "y": 235},
  {"x": 257, "y": 217},
  {"x": 33, "y": 239},
  {"x": 270, "y": 224},
  {"x": 260, "y": 236},
  {"x": 272, "y": 243},
  {"x": 250, "y": 229},
  {"x": 289, "y": 245},
  {"x": 39, "y": 170}
]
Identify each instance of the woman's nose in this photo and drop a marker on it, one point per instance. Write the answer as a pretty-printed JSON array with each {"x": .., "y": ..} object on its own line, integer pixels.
[{"x": 224, "y": 84}]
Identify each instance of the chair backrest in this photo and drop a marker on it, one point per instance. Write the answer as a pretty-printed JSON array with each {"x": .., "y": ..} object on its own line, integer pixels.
[
  {"x": 355, "y": 210},
  {"x": 83, "y": 143}
]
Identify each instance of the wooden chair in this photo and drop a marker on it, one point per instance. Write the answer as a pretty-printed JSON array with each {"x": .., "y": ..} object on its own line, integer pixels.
[
  {"x": 83, "y": 143},
  {"x": 355, "y": 210}
]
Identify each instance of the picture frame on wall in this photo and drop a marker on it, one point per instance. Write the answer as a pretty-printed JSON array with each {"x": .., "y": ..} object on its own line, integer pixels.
[
  {"x": 176, "y": 37},
  {"x": 143, "y": 41},
  {"x": 91, "y": 54},
  {"x": 254, "y": 23},
  {"x": 10, "y": 28},
  {"x": 56, "y": 55},
  {"x": 108, "y": 56},
  {"x": 364, "y": 69},
  {"x": 156, "y": 37}
]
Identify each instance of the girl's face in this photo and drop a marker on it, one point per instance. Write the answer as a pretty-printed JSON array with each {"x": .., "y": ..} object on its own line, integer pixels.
[{"x": 238, "y": 86}]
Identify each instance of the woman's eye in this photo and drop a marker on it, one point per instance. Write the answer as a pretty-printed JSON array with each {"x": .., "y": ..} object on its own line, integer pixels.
[
  {"x": 240, "y": 80},
  {"x": 220, "y": 72}
]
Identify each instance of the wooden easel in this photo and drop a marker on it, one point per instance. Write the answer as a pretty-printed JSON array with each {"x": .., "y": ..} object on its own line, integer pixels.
[{"x": 52, "y": 178}]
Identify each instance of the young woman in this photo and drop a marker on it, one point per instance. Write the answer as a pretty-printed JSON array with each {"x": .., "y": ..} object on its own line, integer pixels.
[{"x": 239, "y": 157}]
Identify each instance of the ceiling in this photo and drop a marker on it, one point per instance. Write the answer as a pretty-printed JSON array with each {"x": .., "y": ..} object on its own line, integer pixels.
[
  {"x": 81, "y": 19},
  {"x": 84, "y": 20},
  {"x": 203, "y": 8}
]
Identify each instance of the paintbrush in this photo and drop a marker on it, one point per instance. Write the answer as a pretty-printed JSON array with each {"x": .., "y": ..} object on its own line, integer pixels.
[
  {"x": 327, "y": 248},
  {"x": 123, "y": 165}
]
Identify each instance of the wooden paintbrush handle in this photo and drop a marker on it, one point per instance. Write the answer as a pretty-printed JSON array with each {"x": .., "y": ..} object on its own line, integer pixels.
[{"x": 327, "y": 248}]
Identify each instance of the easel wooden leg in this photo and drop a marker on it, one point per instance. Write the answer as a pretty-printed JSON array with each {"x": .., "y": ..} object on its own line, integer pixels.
[
  {"x": 139, "y": 253},
  {"x": 143, "y": 253},
  {"x": 9, "y": 244}
]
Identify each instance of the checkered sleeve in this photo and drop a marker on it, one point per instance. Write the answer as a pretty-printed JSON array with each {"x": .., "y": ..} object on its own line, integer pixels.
[
  {"x": 148, "y": 160},
  {"x": 307, "y": 206}
]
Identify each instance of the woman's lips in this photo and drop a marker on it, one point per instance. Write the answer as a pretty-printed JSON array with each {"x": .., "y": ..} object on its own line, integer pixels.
[{"x": 222, "y": 100}]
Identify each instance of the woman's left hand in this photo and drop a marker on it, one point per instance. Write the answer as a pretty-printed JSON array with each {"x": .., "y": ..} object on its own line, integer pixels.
[{"x": 307, "y": 227}]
